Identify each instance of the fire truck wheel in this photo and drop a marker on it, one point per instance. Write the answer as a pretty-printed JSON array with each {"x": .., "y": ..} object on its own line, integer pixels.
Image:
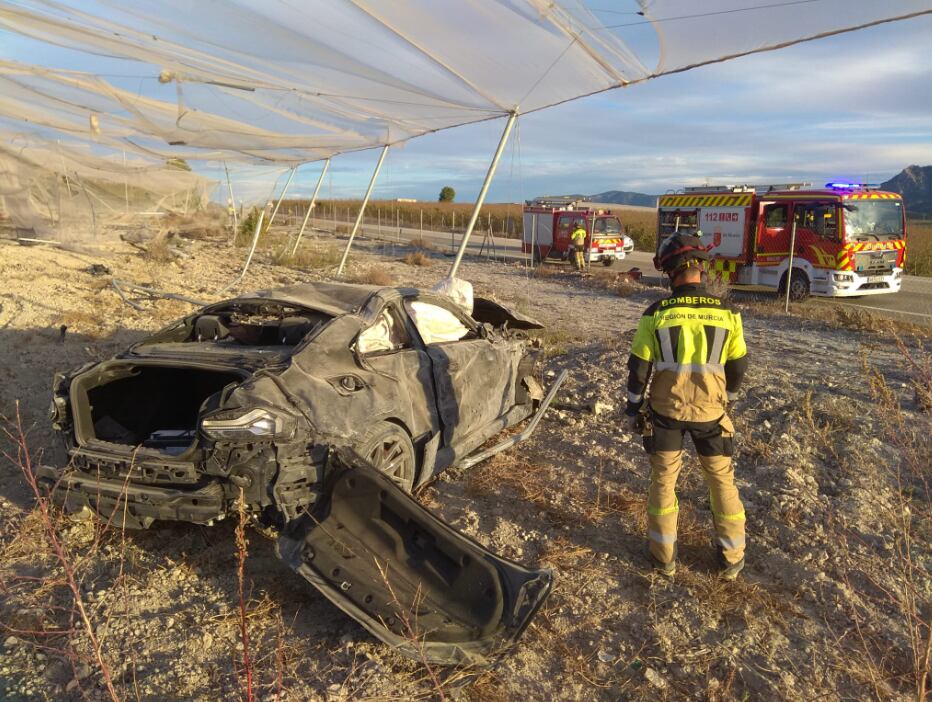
[
  {"x": 799, "y": 285},
  {"x": 608, "y": 262}
]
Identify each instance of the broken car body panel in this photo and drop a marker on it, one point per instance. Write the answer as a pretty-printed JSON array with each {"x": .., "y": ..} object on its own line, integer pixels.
[{"x": 405, "y": 575}]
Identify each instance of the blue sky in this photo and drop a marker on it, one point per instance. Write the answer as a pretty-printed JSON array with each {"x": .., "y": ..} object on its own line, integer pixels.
[{"x": 855, "y": 106}]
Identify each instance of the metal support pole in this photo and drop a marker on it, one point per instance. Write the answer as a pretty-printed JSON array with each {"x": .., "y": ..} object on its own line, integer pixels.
[
  {"x": 232, "y": 199},
  {"x": 310, "y": 207},
  {"x": 281, "y": 197},
  {"x": 789, "y": 270},
  {"x": 362, "y": 209},
  {"x": 125, "y": 183},
  {"x": 482, "y": 193}
]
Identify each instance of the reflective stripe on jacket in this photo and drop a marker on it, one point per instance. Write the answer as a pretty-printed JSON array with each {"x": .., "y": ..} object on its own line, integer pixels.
[{"x": 688, "y": 339}]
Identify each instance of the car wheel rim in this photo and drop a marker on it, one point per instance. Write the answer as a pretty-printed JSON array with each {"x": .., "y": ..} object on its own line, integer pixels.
[{"x": 391, "y": 456}]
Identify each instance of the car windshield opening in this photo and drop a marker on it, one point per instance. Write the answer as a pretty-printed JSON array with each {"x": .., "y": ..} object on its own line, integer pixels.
[
  {"x": 244, "y": 324},
  {"x": 607, "y": 225}
]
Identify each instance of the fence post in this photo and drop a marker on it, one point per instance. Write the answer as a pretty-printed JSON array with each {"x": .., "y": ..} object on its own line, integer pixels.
[{"x": 789, "y": 270}]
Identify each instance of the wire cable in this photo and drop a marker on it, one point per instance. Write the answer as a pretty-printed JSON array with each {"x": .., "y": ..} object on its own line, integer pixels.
[{"x": 699, "y": 15}]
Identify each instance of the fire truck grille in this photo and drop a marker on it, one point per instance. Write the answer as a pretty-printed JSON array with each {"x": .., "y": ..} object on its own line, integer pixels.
[{"x": 874, "y": 261}]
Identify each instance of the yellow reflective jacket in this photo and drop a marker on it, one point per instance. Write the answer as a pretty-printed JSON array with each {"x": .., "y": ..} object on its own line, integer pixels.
[
  {"x": 578, "y": 236},
  {"x": 694, "y": 344}
]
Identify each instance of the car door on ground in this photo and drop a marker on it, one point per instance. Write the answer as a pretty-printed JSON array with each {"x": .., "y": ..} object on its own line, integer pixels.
[{"x": 473, "y": 374}]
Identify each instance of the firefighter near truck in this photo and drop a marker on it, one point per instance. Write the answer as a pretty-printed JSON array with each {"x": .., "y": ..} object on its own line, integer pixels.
[
  {"x": 843, "y": 240},
  {"x": 549, "y": 225}
]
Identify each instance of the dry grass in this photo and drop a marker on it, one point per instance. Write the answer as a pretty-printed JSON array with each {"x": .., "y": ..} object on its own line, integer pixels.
[
  {"x": 372, "y": 276},
  {"x": 421, "y": 244},
  {"x": 919, "y": 247},
  {"x": 159, "y": 251},
  {"x": 417, "y": 258},
  {"x": 839, "y": 316},
  {"x": 311, "y": 257}
]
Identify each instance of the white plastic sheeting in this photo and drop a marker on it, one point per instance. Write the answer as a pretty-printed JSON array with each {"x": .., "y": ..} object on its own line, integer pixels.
[
  {"x": 302, "y": 81},
  {"x": 284, "y": 82}
]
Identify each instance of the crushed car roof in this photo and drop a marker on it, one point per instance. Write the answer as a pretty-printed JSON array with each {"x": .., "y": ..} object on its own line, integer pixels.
[{"x": 332, "y": 298}]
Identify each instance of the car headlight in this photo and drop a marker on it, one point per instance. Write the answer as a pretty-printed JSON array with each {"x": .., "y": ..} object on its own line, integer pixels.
[{"x": 254, "y": 424}]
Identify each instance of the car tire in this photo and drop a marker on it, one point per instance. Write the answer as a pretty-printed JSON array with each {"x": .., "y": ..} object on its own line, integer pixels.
[
  {"x": 608, "y": 262},
  {"x": 799, "y": 285},
  {"x": 389, "y": 449}
]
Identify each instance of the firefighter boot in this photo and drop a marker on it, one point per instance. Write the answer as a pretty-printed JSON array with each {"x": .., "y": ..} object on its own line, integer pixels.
[
  {"x": 727, "y": 512},
  {"x": 662, "y": 505}
]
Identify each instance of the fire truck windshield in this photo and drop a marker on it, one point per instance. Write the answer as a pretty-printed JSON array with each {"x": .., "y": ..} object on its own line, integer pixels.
[
  {"x": 606, "y": 226},
  {"x": 878, "y": 220}
]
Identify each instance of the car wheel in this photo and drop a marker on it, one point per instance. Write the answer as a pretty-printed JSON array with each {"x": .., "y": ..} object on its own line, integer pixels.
[
  {"x": 799, "y": 285},
  {"x": 608, "y": 262},
  {"x": 389, "y": 449}
]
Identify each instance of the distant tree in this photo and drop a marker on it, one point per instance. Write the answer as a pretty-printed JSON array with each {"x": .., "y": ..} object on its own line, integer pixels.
[
  {"x": 447, "y": 194},
  {"x": 178, "y": 163}
]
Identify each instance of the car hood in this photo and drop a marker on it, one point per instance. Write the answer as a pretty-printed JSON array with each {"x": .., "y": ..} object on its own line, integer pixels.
[{"x": 407, "y": 576}]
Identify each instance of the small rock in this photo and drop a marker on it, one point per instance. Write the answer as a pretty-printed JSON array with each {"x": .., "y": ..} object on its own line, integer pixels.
[
  {"x": 605, "y": 656},
  {"x": 11, "y": 642},
  {"x": 599, "y": 408},
  {"x": 655, "y": 678},
  {"x": 82, "y": 670}
]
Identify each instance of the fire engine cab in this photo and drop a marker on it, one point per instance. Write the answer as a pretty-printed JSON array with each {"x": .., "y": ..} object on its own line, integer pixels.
[
  {"x": 847, "y": 239},
  {"x": 549, "y": 222}
]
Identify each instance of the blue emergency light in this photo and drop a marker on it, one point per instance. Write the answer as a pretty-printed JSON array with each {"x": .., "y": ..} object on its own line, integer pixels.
[{"x": 844, "y": 186}]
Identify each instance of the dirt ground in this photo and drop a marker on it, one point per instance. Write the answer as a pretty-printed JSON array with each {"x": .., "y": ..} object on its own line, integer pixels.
[{"x": 832, "y": 463}]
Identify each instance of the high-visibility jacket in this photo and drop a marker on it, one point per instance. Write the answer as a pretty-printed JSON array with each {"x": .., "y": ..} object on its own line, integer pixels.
[
  {"x": 694, "y": 344},
  {"x": 579, "y": 237}
]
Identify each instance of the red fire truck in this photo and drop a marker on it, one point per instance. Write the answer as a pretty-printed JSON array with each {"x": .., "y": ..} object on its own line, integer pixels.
[
  {"x": 548, "y": 223},
  {"x": 849, "y": 239}
]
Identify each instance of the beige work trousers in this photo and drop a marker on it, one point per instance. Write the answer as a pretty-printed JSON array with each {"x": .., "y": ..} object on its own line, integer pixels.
[{"x": 662, "y": 505}]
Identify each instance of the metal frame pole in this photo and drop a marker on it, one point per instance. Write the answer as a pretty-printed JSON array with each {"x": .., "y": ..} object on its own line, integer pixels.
[
  {"x": 362, "y": 209},
  {"x": 789, "y": 270},
  {"x": 310, "y": 207},
  {"x": 232, "y": 199},
  {"x": 281, "y": 197},
  {"x": 482, "y": 193}
]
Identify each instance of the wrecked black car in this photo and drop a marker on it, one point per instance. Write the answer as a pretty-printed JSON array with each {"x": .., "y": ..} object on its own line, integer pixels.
[{"x": 323, "y": 405}]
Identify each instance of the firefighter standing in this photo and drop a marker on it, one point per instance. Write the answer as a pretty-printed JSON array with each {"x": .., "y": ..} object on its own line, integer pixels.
[
  {"x": 695, "y": 347},
  {"x": 579, "y": 244}
]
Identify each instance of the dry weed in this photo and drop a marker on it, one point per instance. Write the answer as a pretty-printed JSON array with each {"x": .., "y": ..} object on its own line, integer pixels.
[
  {"x": 417, "y": 258},
  {"x": 159, "y": 251},
  {"x": 421, "y": 244},
  {"x": 372, "y": 276}
]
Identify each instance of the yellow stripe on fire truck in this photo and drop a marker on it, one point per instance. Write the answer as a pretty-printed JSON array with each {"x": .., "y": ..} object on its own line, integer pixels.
[
  {"x": 739, "y": 200},
  {"x": 724, "y": 269},
  {"x": 845, "y": 263},
  {"x": 873, "y": 196},
  {"x": 877, "y": 245}
]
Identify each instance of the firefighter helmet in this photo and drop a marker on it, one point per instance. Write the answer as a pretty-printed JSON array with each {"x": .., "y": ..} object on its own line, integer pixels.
[{"x": 678, "y": 250}]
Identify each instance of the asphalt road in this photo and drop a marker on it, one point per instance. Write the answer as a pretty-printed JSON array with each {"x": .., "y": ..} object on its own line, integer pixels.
[{"x": 913, "y": 303}]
